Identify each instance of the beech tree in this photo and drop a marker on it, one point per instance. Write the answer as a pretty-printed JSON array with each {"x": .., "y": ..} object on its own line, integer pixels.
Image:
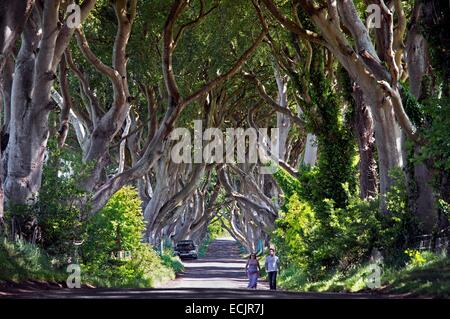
[
  {"x": 43, "y": 41},
  {"x": 115, "y": 87},
  {"x": 374, "y": 63}
]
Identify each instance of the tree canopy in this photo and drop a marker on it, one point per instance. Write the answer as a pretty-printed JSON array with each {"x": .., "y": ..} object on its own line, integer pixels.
[{"x": 358, "y": 91}]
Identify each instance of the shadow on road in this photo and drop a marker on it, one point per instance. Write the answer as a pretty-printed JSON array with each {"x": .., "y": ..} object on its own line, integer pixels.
[{"x": 219, "y": 275}]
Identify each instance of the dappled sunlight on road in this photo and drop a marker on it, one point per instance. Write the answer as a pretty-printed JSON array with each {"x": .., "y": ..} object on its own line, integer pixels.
[{"x": 222, "y": 267}]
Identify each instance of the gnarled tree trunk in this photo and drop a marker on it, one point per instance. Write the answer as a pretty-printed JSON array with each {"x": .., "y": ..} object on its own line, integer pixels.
[
  {"x": 422, "y": 201},
  {"x": 364, "y": 131},
  {"x": 43, "y": 42}
]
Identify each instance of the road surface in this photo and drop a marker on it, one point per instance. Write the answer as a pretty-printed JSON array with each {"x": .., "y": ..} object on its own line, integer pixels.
[
  {"x": 220, "y": 274},
  {"x": 222, "y": 267}
]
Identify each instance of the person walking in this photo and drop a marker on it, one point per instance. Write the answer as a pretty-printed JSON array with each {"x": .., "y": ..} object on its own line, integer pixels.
[
  {"x": 272, "y": 265},
  {"x": 252, "y": 269}
]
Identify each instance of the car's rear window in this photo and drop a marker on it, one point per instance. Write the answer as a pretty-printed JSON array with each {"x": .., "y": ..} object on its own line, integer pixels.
[{"x": 185, "y": 246}]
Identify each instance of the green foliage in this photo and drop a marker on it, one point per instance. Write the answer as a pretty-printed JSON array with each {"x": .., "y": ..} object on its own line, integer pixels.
[
  {"x": 398, "y": 227},
  {"x": 444, "y": 207},
  {"x": 144, "y": 269},
  {"x": 352, "y": 281},
  {"x": 55, "y": 219},
  {"x": 432, "y": 117},
  {"x": 425, "y": 278},
  {"x": 288, "y": 184},
  {"x": 172, "y": 262},
  {"x": 118, "y": 227},
  {"x": 203, "y": 249},
  {"x": 433, "y": 26},
  {"x": 334, "y": 174},
  {"x": 318, "y": 246},
  {"x": 437, "y": 133},
  {"x": 58, "y": 210},
  {"x": 420, "y": 259},
  {"x": 428, "y": 279},
  {"x": 22, "y": 261},
  {"x": 319, "y": 237},
  {"x": 413, "y": 108},
  {"x": 417, "y": 258},
  {"x": 216, "y": 230}
]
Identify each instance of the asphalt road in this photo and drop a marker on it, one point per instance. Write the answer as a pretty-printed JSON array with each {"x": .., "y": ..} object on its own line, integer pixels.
[
  {"x": 222, "y": 267},
  {"x": 220, "y": 274}
]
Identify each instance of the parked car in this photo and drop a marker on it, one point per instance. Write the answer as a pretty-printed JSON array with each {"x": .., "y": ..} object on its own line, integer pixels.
[{"x": 186, "y": 249}]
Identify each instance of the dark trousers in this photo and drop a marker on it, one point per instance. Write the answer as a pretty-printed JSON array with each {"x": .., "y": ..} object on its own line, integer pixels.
[{"x": 272, "y": 280}]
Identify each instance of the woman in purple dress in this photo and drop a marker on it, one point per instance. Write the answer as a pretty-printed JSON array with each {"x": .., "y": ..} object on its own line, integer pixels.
[{"x": 252, "y": 268}]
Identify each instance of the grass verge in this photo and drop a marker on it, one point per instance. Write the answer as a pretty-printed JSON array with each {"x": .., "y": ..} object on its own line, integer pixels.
[
  {"x": 21, "y": 261},
  {"x": 431, "y": 279}
]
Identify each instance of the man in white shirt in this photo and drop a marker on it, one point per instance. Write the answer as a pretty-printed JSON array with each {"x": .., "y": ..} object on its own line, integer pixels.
[{"x": 272, "y": 266}]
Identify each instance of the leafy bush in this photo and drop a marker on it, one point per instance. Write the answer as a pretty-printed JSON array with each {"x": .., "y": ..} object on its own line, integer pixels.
[
  {"x": 58, "y": 208},
  {"x": 398, "y": 226},
  {"x": 438, "y": 147},
  {"x": 117, "y": 229},
  {"x": 55, "y": 220},
  {"x": 172, "y": 262},
  {"x": 419, "y": 259},
  {"x": 318, "y": 247},
  {"x": 320, "y": 238},
  {"x": 58, "y": 222},
  {"x": 444, "y": 207}
]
